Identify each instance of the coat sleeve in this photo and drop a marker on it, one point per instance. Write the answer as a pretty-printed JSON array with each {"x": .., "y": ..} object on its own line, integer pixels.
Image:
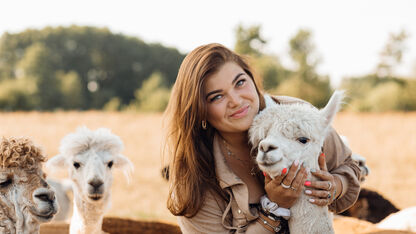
[
  {"x": 209, "y": 220},
  {"x": 340, "y": 164}
]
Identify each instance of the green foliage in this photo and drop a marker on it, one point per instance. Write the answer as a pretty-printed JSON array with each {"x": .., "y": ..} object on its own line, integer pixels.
[
  {"x": 70, "y": 90},
  {"x": 392, "y": 53},
  {"x": 373, "y": 93},
  {"x": 152, "y": 96},
  {"x": 113, "y": 105},
  {"x": 18, "y": 94},
  {"x": 116, "y": 64},
  {"x": 317, "y": 93},
  {"x": 248, "y": 40}
]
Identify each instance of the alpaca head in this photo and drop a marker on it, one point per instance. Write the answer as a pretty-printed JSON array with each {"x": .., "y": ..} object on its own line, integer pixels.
[
  {"x": 286, "y": 132},
  {"x": 90, "y": 156},
  {"x": 25, "y": 197}
]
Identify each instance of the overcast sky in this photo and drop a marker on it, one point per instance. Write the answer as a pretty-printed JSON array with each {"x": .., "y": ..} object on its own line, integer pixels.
[{"x": 348, "y": 34}]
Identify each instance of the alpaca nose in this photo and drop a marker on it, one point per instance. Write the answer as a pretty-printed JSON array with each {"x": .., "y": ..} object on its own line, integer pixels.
[
  {"x": 45, "y": 196},
  {"x": 96, "y": 184},
  {"x": 265, "y": 146}
]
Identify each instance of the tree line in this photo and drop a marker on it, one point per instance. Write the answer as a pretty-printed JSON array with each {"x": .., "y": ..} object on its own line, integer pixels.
[{"x": 82, "y": 68}]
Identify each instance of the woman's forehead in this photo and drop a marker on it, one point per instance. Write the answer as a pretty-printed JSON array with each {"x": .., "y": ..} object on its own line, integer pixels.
[{"x": 224, "y": 76}]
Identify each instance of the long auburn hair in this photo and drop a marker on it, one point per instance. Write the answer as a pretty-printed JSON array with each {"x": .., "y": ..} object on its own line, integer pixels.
[{"x": 190, "y": 147}]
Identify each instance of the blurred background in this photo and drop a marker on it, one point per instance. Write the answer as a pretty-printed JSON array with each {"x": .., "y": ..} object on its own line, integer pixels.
[
  {"x": 112, "y": 64},
  {"x": 124, "y": 55}
]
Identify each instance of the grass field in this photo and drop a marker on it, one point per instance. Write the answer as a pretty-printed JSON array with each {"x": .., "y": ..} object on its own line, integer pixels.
[{"x": 388, "y": 141}]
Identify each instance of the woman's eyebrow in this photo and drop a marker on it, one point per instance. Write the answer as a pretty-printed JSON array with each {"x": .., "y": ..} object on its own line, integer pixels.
[{"x": 219, "y": 90}]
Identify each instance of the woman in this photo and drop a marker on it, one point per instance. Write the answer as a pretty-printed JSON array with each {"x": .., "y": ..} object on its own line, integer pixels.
[{"x": 215, "y": 185}]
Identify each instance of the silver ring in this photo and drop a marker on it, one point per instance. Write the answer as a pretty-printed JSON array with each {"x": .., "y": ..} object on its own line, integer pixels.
[
  {"x": 330, "y": 185},
  {"x": 329, "y": 196},
  {"x": 285, "y": 186},
  {"x": 293, "y": 188}
]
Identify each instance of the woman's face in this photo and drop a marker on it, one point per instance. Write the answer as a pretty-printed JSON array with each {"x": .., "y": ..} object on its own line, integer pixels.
[{"x": 232, "y": 100}]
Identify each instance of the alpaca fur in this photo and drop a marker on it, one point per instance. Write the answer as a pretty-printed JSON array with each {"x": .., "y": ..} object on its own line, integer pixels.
[
  {"x": 404, "y": 220},
  {"x": 25, "y": 198},
  {"x": 90, "y": 156},
  {"x": 276, "y": 132}
]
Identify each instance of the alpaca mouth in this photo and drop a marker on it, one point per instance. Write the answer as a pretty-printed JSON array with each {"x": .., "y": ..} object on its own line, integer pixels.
[
  {"x": 95, "y": 197},
  {"x": 45, "y": 217}
]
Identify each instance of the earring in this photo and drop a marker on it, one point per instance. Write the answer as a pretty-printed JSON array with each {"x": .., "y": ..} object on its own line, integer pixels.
[{"x": 204, "y": 124}]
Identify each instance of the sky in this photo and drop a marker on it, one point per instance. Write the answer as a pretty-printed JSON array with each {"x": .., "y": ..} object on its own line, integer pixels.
[{"x": 348, "y": 34}]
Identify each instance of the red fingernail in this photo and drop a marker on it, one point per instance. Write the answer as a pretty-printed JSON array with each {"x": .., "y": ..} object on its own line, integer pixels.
[
  {"x": 307, "y": 183},
  {"x": 284, "y": 171},
  {"x": 265, "y": 174},
  {"x": 322, "y": 154}
]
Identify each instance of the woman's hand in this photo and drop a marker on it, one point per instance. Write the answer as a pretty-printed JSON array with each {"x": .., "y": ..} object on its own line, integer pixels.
[
  {"x": 285, "y": 189},
  {"x": 324, "y": 191}
]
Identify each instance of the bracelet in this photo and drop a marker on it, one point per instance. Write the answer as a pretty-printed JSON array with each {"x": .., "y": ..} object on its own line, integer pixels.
[
  {"x": 276, "y": 229},
  {"x": 273, "y": 209}
]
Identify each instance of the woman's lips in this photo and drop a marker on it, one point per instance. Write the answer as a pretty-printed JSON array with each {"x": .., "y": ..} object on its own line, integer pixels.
[{"x": 240, "y": 113}]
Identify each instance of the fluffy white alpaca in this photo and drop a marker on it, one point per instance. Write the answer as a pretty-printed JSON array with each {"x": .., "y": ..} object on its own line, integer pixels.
[
  {"x": 90, "y": 157},
  {"x": 283, "y": 133},
  {"x": 404, "y": 220}
]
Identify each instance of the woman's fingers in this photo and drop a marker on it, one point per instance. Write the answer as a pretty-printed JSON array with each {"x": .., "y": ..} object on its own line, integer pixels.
[
  {"x": 323, "y": 175},
  {"x": 319, "y": 194},
  {"x": 322, "y": 185},
  {"x": 299, "y": 179},
  {"x": 322, "y": 162},
  {"x": 291, "y": 175},
  {"x": 319, "y": 202}
]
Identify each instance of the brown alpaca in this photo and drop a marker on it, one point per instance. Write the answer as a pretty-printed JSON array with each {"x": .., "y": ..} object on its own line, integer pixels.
[{"x": 25, "y": 198}]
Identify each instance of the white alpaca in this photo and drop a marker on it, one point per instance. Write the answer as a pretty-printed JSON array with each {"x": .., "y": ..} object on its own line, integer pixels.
[
  {"x": 404, "y": 220},
  {"x": 286, "y": 132},
  {"x": 90, "y": 157}
]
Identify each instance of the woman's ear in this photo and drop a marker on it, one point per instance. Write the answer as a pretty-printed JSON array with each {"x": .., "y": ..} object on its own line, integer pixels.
[{"x": 123, "y": 163}]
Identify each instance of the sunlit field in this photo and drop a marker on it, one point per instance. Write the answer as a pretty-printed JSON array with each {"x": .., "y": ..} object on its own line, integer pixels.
[{"x": 388, "y": 141}]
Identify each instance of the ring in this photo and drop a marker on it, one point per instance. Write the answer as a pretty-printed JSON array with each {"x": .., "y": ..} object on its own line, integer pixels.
[
  {"x": 285, "y": 186},
  {"x": 329, "y": 196},
  {"x": 330, "y": 185},
  {"x": 293, "y": 188}
]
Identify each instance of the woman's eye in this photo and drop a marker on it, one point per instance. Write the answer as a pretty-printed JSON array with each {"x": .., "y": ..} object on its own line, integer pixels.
[
  {"x": 240, "y": 82},
  {"x": 5, "y": 183},
  {"x": 303, "y": 140},
  {"x": 76, "y": 165},
  {"x": 216, "y": 97}
]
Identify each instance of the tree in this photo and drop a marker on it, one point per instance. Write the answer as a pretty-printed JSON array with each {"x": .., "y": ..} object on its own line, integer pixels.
[
  {"x": 248, "y": 40},
  {"x": 152, "y": 96},
  {"x": 392, "y": 54},
  {"x": 304, "y": 82}
]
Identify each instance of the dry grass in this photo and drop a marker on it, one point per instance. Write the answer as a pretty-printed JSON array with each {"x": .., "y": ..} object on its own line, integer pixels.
[{"x": 388, "y": 141}]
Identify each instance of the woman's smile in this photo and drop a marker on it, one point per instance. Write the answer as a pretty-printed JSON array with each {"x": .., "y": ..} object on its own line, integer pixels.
[{"x": 240, "y": 113}]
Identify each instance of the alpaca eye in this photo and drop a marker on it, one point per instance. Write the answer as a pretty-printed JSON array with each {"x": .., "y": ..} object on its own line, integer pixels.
[
  {"x": 76, "y": 165},
  {"x": 110, "y": 164},
  {"x": 303, "y": 140},
  {"x": 5, "y": 183}
]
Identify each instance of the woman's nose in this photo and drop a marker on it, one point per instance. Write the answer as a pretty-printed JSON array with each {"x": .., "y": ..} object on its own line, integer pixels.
[{"x": 234, "y": 100}]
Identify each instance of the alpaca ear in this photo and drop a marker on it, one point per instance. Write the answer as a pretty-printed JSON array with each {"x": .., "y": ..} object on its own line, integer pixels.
[
  {"x": 123, "y": 163},
  {"x": 268, "y": 100},
  {"x": 56, "y": 162},
  {"x": 332, "y": 107}
]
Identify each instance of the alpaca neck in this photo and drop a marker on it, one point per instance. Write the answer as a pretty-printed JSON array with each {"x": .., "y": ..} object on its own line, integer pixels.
[
  {"x": 309, "y": 218},
  {"x": 87, "y": 217},
  {"x": 15, "y": 217}
]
